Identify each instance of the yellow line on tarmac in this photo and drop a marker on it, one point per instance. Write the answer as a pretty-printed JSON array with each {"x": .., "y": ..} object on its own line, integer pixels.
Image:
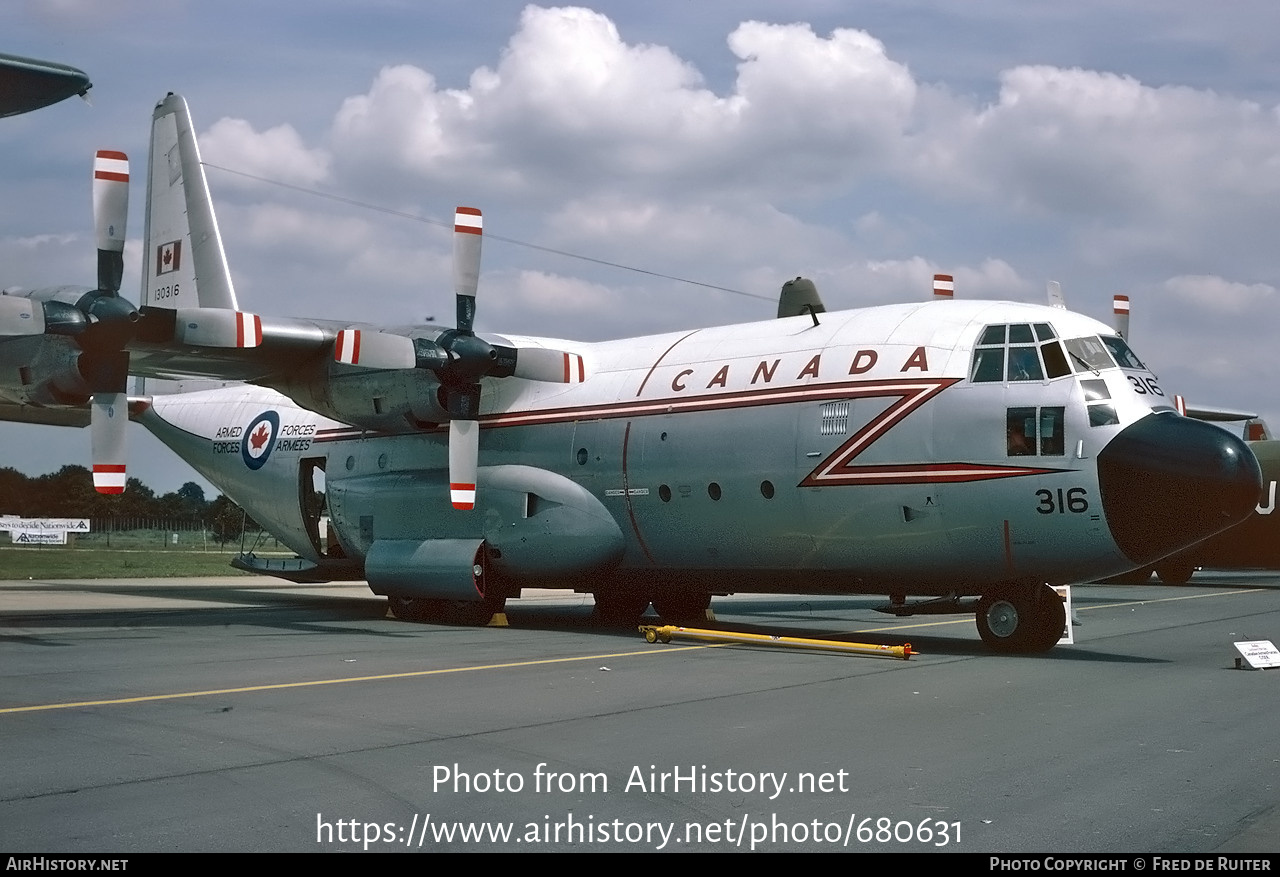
[
  {"x": 281, "y": 685},
  {"x": 1171, "y": 599}
]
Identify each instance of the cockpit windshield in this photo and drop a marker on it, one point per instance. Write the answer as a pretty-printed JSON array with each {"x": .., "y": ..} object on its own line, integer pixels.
[
  {"x": 1088, "y": 354},
  {"x": 1032, "y": 352},
  {"x": 1018, "y": 352},
  {"x": 1124, "y": 357}
]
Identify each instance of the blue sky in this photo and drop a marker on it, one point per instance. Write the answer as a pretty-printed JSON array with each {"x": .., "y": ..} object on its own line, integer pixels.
[{"x": 1114, "y": 148}]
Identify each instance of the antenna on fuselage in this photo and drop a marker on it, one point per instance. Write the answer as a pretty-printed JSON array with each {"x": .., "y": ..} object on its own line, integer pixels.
[{"x": 800, "y": 296}]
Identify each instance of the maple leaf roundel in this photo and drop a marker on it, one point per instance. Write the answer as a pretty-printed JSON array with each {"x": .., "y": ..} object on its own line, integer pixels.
[{"x": 259, "y": 438}]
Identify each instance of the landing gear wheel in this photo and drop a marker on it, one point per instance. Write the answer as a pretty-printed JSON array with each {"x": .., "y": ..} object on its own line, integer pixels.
[
  {"x": 682, "y": 607},
  {"x": 412, "y": 608},
  {"x": 469, "y": 613},
  {"x": 1175, "y": 572},
  {"x": 1029, "y": 619},
  {"x": 620, "y": 607}
]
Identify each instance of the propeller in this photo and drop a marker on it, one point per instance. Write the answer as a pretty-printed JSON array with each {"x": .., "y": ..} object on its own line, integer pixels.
[
  {"x": 460, "y": 359},
  {"x": 1120, "y": 312},
  {"x": 104, "y": 363},
  {"x": 944, "y": 286}
]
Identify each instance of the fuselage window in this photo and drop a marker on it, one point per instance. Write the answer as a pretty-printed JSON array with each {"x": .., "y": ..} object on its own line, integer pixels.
[
  {"x": 1027, "y": 429},
  {"x": 1052, "y": 443},
  {"x": 1103, "y": 414},
  {"x": 1020, "y": 432},
  {"x": 1098, "y": 398}
]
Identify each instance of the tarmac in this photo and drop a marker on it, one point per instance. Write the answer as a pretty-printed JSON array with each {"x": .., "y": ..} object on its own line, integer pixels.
[{"x": 245, "y": 714}]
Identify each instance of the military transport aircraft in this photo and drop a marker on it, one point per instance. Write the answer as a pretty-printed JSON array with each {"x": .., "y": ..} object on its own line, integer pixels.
[{"x": 969, "y": 452}]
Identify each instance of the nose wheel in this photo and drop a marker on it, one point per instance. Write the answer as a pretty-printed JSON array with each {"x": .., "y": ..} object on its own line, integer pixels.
[{"x": 1024, "y": 619}]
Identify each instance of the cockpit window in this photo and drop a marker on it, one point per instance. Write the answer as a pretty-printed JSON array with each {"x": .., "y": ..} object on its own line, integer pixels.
[
  {"x": 992, "y": 335},
  {"x": 1024, "y": 364},
  {"x": 1018, "y": 352},
  {"x": 1122, "y": 353},
  {"x": 1020, "y": 333},
  {"x": 1088, "y": 354}
]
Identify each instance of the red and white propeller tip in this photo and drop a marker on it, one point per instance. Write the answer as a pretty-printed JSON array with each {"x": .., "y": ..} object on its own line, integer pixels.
[
  {"x": 108, "y": 417},
  {"x": 373, "y": 349},
  {"x": 1120, "y": 312},
  {"x": 464, "y": 456}
]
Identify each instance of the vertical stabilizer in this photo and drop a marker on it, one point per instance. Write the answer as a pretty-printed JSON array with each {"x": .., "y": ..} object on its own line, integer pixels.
[{"x": 184, "y": 265}]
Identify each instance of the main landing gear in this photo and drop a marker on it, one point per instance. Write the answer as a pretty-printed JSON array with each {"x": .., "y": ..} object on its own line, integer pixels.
[
  {"x": 673, "y": 605},
  {"x": 465, "y": 612},
  {"x": 1021, "y": 619}
]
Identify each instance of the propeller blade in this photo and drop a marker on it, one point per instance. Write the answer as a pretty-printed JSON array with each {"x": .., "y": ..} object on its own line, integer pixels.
[
  {"x": 19, "y": 316},
  {"x": 944, "y": 286},
  {"x": 552, "y": 366},
  {"x": 464, "y": 456},
  {"x": 108, "y": 418},
  {"x": 379, "y": 350},
  {"x": 1121, "y": 311},
  {"x": 110, "y": 215},
  {"x": 218, "y": 327},
  {"x": 468, "y": 230},
  {"x": 1055, "y": 295}
]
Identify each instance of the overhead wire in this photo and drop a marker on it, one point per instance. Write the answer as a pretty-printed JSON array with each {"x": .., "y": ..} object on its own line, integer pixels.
[{"x": 353, "y": 202}]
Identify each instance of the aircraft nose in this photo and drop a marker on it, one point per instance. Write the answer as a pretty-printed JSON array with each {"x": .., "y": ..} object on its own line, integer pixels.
[{"x": 1168, "y": 482}]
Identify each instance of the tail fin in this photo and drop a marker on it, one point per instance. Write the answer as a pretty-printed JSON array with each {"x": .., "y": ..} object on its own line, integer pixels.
[
  {"x": 1256, "y": 430},
  {"x": 183, "y": 265}
]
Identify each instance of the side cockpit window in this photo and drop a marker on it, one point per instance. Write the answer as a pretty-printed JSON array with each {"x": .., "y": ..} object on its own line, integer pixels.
[
  {"x": 1032, "y": 431},
  {"x": 1017, "y": 352},
  {"x": 1098, "y": 399}
]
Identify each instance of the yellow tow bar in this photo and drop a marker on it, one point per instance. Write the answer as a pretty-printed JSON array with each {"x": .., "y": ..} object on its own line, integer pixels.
[{"x": 665, "y": 633}]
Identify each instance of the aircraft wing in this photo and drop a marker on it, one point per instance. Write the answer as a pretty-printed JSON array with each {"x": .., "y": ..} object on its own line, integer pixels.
[
  {"x": 1219, "y": 415},
  {"x": 66, "y": 416},
  {"x": 225, "y": 344}
]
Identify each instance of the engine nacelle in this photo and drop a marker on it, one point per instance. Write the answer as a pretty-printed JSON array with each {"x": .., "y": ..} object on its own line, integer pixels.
[
  {"x": 433, "y": 569},
  {"x": 532, "y": 524}
]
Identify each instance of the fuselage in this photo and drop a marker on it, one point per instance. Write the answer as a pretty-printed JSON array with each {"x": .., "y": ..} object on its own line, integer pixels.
[{"x": 933, "y": 448}]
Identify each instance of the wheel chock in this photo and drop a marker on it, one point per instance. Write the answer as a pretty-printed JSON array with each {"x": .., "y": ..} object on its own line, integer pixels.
[{"x": 666, "y": 632}]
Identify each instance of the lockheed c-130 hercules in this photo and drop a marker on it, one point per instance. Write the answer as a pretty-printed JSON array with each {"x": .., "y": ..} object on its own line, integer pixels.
[{"x": 949, "y": 450}]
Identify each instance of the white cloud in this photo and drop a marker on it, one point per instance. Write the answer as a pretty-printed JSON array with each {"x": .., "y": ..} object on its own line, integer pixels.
[
  {"x": 1218, "y": 297},
  {"x": 277, "y": 153}
]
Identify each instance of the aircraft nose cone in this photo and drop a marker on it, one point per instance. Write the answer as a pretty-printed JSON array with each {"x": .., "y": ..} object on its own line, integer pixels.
[{"x": 1168, "y": 482}]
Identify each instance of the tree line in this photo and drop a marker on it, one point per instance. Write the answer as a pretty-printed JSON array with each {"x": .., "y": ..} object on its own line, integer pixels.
[{"x": 69, "y": 493}]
